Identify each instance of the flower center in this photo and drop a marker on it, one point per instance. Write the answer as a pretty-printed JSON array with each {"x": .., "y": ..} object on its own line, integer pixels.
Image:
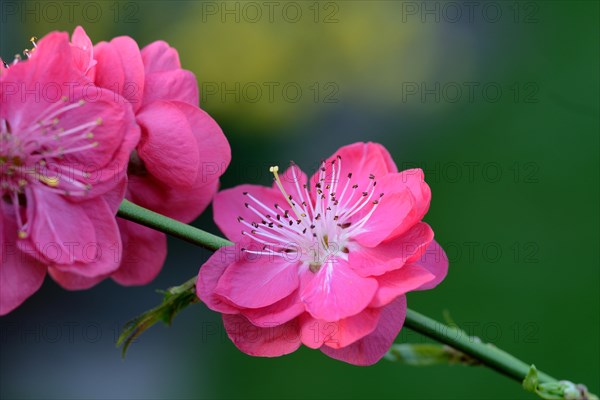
[
  {"x": 34, "y": 156},
  {"x": 312, "y": 229}
]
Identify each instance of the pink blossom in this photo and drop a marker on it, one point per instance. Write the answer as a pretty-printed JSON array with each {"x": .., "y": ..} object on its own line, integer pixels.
[
  {"x": 64, "y": 148},
  {"x": 326, "y": 265},
  {"x": 176, "y": 166}
]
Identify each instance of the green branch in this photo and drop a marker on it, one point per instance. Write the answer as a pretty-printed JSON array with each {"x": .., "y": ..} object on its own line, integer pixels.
[{"x": 485, "y": 354}]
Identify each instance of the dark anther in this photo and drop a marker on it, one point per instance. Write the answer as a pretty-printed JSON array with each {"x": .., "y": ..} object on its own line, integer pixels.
[{"x": 354, "y": 186}]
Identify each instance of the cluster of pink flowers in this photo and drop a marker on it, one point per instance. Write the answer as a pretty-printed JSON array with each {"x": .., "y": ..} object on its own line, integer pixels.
[
  {"x": 81, "y": 128},
  {"x": 324, "y": 263}
]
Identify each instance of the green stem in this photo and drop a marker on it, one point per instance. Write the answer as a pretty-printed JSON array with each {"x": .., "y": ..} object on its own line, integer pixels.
[
  {"x": 159, "y": 222},
  {"x": 489, "y": 355}
]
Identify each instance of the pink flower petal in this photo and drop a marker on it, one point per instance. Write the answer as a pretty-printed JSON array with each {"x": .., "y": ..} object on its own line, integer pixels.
[
  {"x": 276, "y": 314},
  {"x": 60, "y": 241},
  {"x": 159, "y": 56},
  {"x": 228, "y": 206},
  {"x": 185, "y": 204},
  {"x": 435, "y": 261},
  {"x": 282, "y": 311},
  {"x": 391, "y": 211},
  {"x": 414, "y": 180},
  {"x": 354, "y": 328},
  {"x": 144, "y": 253},
  {"x": 398, "y": 282},
  {"x": 391, "y": 254},
  {"x": 361, "y": 160},
  {"x": 213, "y": 147},
  {"x": 21, "y": 274},
  {"x": 72, "y": 281},
  {"x": 165, "y": 133},
  {"x": 337, "y": 292},
  {"x": 263, "y": 342},
  {"x": 208, "y": 278},
  {"x": 315, "y": 333},
  {"x": 96, "y": 257},
  {"x": 370, "y": 349},
  {"x": 120, "y": 69},
  {"x": 34, "y": 82},
  {"x": 83, "y": 52},
  {"x": 173, "y": 85},
  {"x": 255, "y": 281}
]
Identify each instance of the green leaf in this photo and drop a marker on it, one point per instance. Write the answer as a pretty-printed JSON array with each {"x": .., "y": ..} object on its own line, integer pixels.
[{"x": 175, "y": 299}]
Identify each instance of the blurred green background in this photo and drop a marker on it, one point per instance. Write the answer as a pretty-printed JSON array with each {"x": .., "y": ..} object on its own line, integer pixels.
[{"x": 498, "y": 103}]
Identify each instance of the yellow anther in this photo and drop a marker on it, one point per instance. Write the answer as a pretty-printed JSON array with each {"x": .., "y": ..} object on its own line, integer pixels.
[
  {"x": 50, "y": 181},
  {"x": 89, "y": 135},
  {"x": 22, "y": 235}
]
